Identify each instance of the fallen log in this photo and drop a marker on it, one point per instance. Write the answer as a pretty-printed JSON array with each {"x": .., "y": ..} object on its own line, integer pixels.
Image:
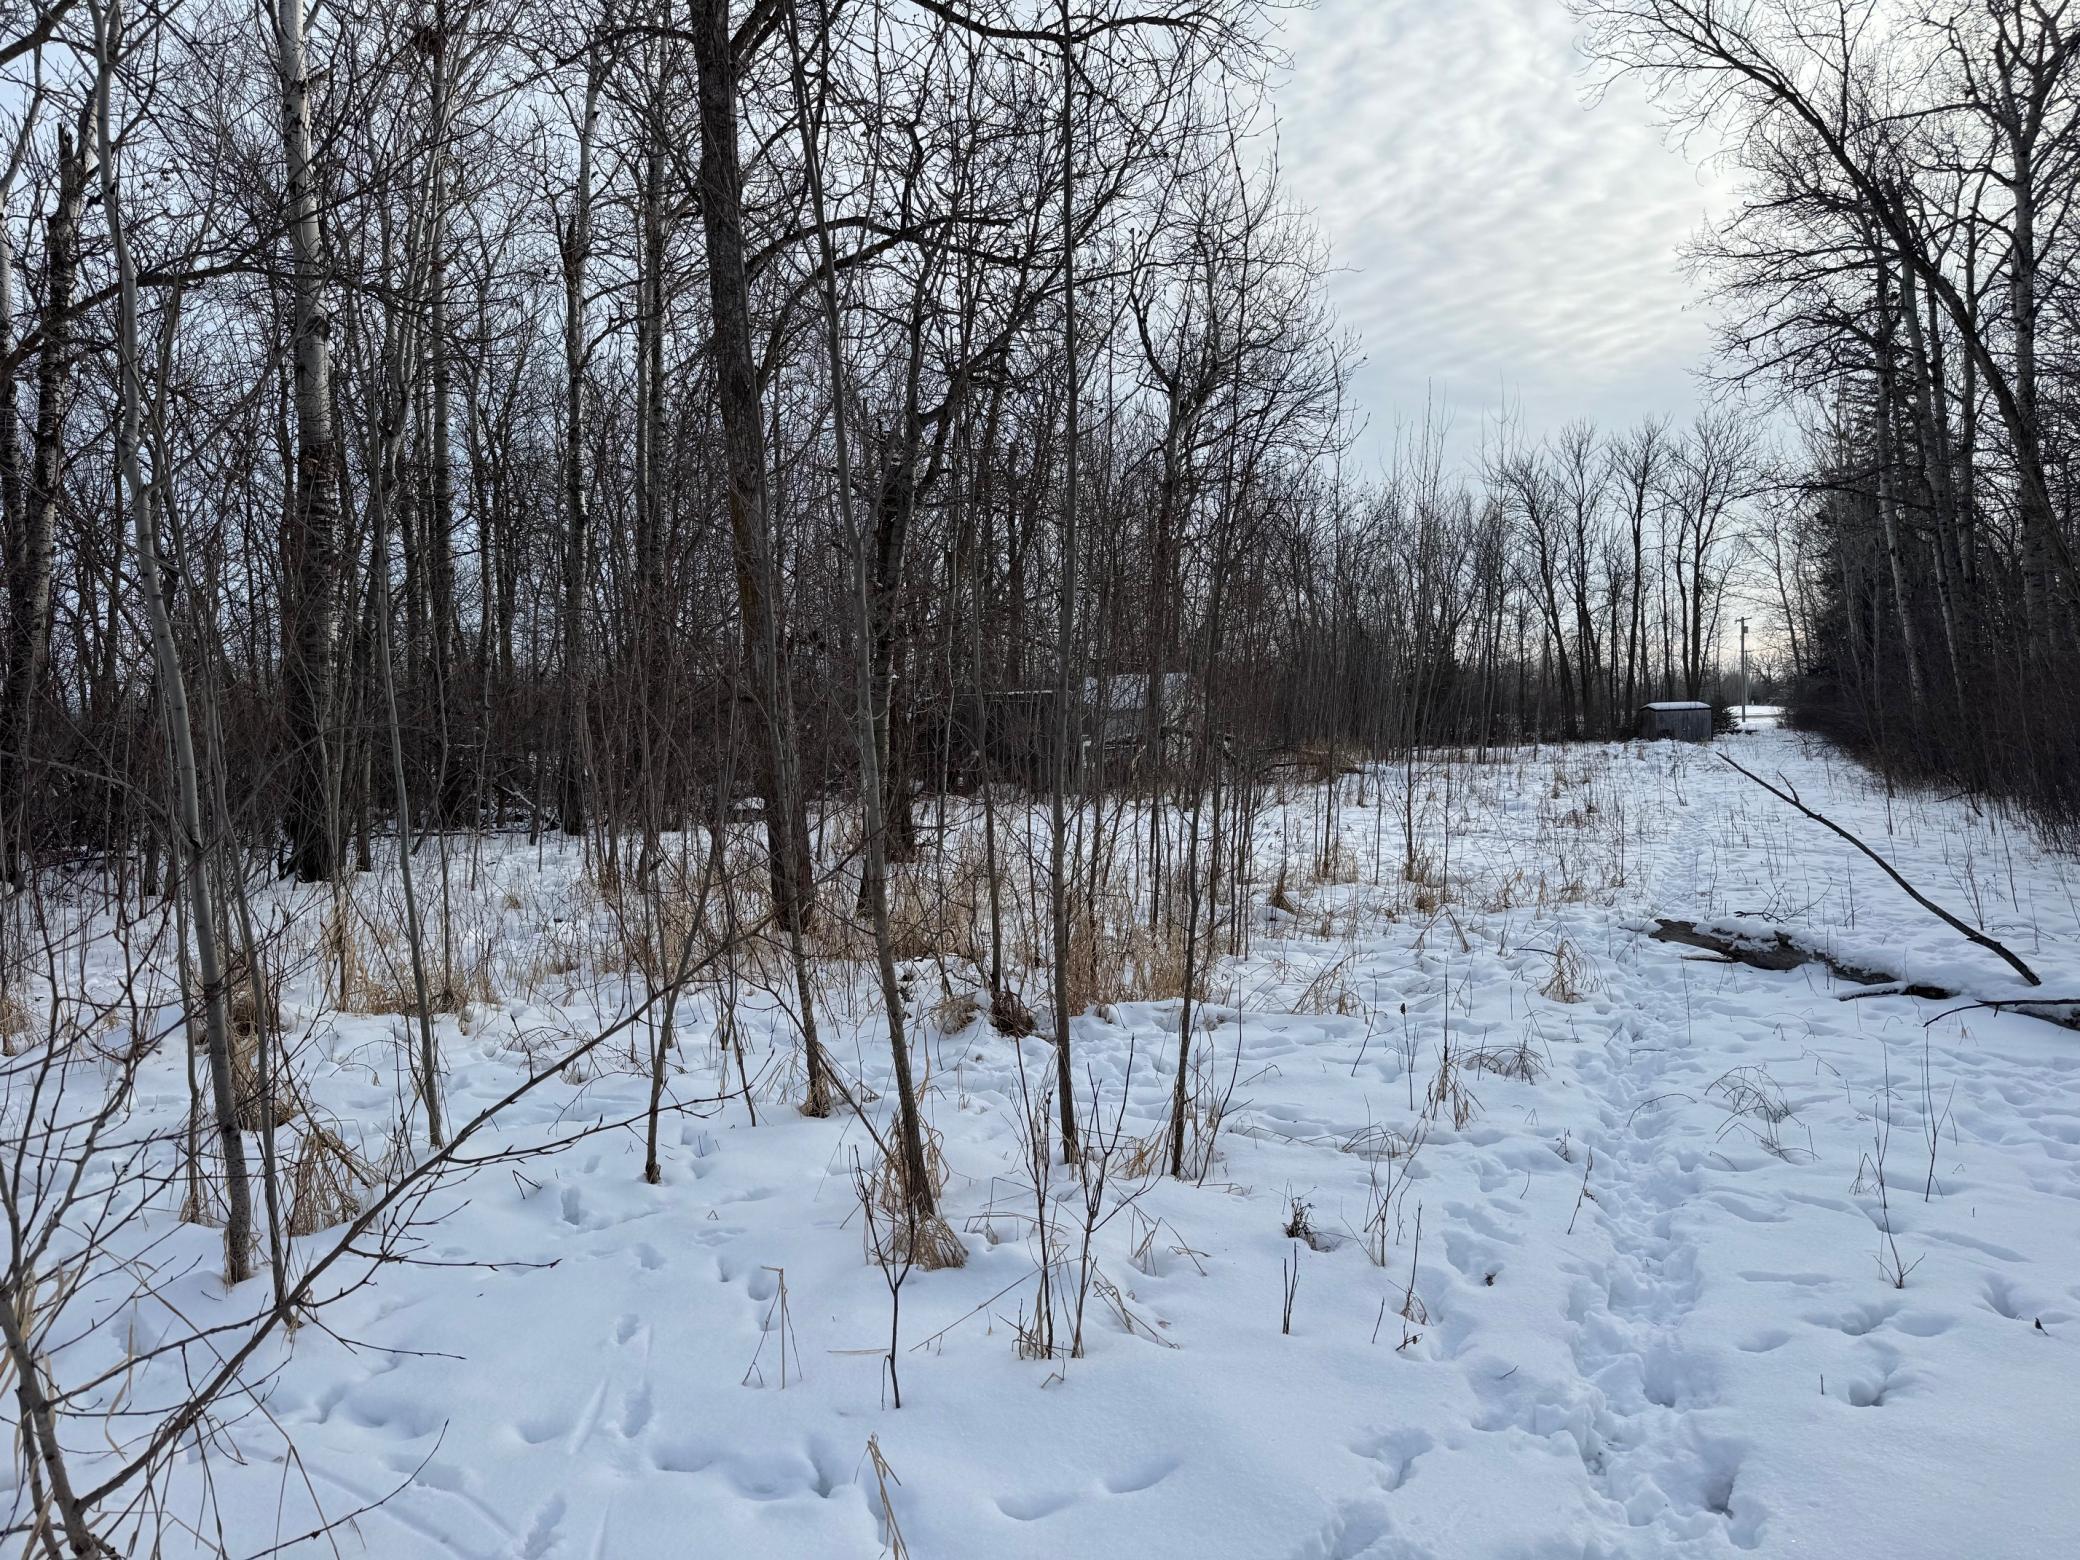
[
  {"x": 1778, "y": 951},
  {"x": 1772, "y": 949}
]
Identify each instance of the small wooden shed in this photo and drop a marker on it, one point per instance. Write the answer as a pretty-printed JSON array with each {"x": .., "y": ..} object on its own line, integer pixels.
[
  {"x": 1005, "y": 734},
  {"x": 1117, "y": 716},
  {"x": 1686, "y": 720}
]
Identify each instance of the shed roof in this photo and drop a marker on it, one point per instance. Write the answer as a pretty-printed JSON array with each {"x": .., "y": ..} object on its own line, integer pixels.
[
  {"x": 1126, "y": 693},
  {"x": 1677, "y": 704}
]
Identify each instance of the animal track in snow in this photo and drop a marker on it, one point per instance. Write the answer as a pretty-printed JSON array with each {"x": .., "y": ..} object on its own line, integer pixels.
[
  {"x": 635, "y": 1411},
  {"x": 542, "y": 1532},
  {"x": 1360, "y": 1530},
  {"x": 1875, "y": 1388},
  {"x": 1031, "y": 1508},
  {"x": 1142, "y": 1475},
  {"x": 539, "y": 1430},
  {"x": 683, "y": 1455},
  {"x": 1859, "y": 1320},
  {"x": 1395, "y": 1452}
]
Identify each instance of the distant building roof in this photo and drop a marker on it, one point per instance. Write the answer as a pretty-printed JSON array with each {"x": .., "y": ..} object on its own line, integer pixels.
[
  {"x": 1124, "y": 693},
  {"x": 1677, "y": 704}
]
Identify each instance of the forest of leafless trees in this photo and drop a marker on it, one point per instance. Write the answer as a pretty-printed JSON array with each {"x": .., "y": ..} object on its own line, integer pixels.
[
  {"x": 542, "y": 413},
  {"x": 1897, "y": 269},
  {"x": 669, "y": 426}
]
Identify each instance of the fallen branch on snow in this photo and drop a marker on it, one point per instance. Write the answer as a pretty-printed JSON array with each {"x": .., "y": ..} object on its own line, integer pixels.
[
  {"x": 1790, "y": 795},
  {"x": 1779, "y": 951}
]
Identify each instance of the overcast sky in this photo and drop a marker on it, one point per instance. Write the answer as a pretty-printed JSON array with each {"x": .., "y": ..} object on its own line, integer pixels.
[{"x": 1499, "y": 241}]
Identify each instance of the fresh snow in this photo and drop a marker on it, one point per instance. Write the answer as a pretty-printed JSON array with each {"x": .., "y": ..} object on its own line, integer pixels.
[
  {"x": 1758, "y": 717},
  {"x": 1652, "y": 1310}
]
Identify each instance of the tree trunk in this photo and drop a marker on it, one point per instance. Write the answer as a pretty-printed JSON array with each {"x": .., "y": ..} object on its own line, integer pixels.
[
  {"x": 173, "y": 710},
  {"x": 1065, "y": 625},
  {"x": 744, "y": 448},
  {"x": 577, "y": 250},
  {"x": 440, "y": 432},
  {"x": 29, "y": 552},
  {"x": 310, "y": 540}
]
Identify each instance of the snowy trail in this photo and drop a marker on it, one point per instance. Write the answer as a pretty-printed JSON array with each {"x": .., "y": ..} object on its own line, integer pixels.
[
  {"x": 1632, "y": 1309},
  {"x": 1640, "y": 1256}
]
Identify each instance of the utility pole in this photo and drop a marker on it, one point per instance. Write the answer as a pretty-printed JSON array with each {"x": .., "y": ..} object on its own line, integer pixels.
[{"x": 1744, "y": 674}]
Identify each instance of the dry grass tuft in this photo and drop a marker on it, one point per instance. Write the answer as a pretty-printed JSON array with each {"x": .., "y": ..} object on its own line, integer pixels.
[
  {"x": 325, "y": 1183},
  {"x": 955, "y": 1011},
  {"x": 255, "y": 1019},
  {"x": 1506, "y": 893},
  {"x": 924, "y": 923},
  {"x": 925, "y": 1241},
  {"x": 1321, "y": 762},
  {"x": 1009, "y": 1016},
  {"x": 890, "y": 1184},
  {"x": 1300, "y": 1226},
  {"x": 339, "y": 952},
  {"x": 1146, "y": 1156},
  {"x": 1505, "y": 1061},
  {"x": 1448, "y": 1097},
  {"x": 891, "y": 1535},
  {"x": 899, "y": 1236},
  {"x": 17, "y": 1024},
  {"x": 1327, "y": 993},
  {"x": 369, "y": 963},
  {"x": 1337, "y": 863},
  {"x": 1118, "y": 960},
  {"x": 1571, "y": 978}
]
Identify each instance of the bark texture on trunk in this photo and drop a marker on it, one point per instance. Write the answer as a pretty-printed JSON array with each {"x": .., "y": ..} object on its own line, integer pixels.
[
  {"x": 310, "y": 528},
  {"x": 744, "y": 447},
  {"x": 33, "y": 516}
]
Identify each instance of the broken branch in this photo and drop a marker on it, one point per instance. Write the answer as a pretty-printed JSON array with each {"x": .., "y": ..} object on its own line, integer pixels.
[{"x": 1790, "y": 798}]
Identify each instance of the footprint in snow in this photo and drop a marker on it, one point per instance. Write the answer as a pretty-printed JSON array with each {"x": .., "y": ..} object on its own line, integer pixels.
[
  {"x": 1360, "y": 1530},
  {"x": 542, "y": 1533},
  {"x": 1395, "y": 1453},
  {"x": 1031, "y": 1508},
  {"x": 1858, "y": 1320},
  {"x": 1139, "y": 1476},
  {"x": 1874, "y": 1388},
  {"x": 1476, "y": 1260},
  {"x": 635, "y": 1412}
]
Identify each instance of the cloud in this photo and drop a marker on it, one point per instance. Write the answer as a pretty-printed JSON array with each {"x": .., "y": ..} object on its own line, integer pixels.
[{"x": 1500, "y": 242}]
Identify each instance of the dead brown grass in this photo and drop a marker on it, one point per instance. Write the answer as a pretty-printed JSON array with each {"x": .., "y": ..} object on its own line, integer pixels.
[
  {"x": 1517, "y": 1061},
  {"x": 956, "y": 1010},
  {"x": 896, "y": 1236},
  {"x": 1009, "y": 1016},
  {"x": 17, "y": 1024},
  {"x": 255, "y": 1020},
  {"x": 1571, "y": 978},
  {"x": 1328, "y": 993},
  {"x": 1112, "y": 959},
  {"x": 325, "y": 1183}
]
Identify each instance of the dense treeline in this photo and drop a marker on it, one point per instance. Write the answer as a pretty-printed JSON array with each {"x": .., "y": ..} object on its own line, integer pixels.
[
  {"x": 1898, "y": 265},
  {"x": 468, "y": 390}
]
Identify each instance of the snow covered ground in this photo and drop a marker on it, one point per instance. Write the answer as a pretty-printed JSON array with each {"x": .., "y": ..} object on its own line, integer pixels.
[
  {"x": 1673, "y": 1258},
  {"x": 1758, "y": 717}
]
